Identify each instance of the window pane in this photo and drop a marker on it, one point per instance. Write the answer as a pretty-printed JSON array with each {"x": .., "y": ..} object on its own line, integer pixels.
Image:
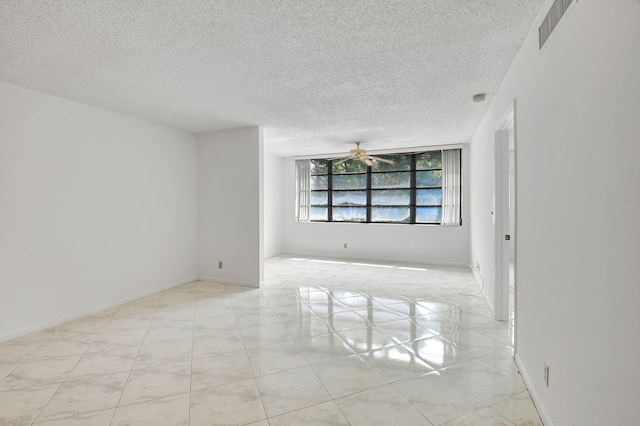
[
  {"x": 319, "y": 167},
  {"x": 400, "y": 163},
  {"x": 390, "y": 214},
  {"x": 390, "y": 197},
  {"x": 390, "y": 193},
  {"x": 430, "y": 178},
  {"x": 349, "y": 181},
  {"x": 349, "y": 166},
  {"x": 349, "y": 214},
  {"x": 429, "y": 197},
  {"x": 319, "y": 198},
  {"x": 349, "y": 198},
  {"x": 429, "y": 160},
  {"x": 319, "y": 182},
  {"x": 318, "y": 213},
  {"x": 391, "y": 180},
  {"x": 428, "y": 214}
]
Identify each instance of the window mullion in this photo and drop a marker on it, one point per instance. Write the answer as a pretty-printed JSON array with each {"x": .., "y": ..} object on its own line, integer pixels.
[
  {"x": 368, "y": 194},
  {"x": 330, "y": 192},
  {"x": 412, "y": 190}
]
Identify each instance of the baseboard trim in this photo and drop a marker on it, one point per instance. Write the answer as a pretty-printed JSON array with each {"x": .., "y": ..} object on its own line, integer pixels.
[
  {"x": 480, "y": 281},
  {"x": 370, "y": 259},
  {"x": 534, "y": 395},
  {"x": 228, "y": 281},
  {"x": 92, "y": 310}
]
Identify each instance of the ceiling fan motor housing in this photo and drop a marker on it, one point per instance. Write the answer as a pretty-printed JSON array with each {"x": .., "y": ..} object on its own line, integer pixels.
[{"x": 358, "y": 153}]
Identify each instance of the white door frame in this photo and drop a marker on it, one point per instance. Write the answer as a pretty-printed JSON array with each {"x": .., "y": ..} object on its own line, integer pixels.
[{"x": 501, "y": 209}]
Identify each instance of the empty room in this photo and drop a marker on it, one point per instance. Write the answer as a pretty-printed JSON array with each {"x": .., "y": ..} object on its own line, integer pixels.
[{"x": 280, "y": 212}]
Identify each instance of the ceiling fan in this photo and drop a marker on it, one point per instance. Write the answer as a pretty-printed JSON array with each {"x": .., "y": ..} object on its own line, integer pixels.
[{"x": 361, "y": 155}]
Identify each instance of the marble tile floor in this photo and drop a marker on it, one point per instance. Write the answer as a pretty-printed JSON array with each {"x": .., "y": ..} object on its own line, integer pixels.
[{"x": 324, "y": 342}]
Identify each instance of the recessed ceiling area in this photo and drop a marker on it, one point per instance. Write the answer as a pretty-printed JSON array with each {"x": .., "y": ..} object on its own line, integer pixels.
[{"x": 316, "y": 75}]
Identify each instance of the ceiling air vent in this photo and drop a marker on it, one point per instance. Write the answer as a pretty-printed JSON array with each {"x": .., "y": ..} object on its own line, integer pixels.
[{"x": 558, "y": 9}]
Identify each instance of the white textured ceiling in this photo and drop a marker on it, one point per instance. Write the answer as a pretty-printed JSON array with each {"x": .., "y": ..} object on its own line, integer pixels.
[{"x": 317, "y": 75}]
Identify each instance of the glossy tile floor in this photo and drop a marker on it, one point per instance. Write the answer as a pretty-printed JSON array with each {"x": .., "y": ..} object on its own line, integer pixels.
[{"x": 324, "y": 342}]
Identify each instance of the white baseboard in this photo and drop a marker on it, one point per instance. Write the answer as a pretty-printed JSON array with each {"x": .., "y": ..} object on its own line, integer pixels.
[
  {"x": 89, "y": 311},
  {"x": 534, "y": 395},
  {"x": 228, "y": 281},
  {"x": 370, "y": 259},
  {"x": 480, "y": 281}
]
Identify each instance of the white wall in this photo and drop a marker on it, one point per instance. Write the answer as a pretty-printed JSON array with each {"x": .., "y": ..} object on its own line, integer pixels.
[
  {"x": 273, "y": 206},
  {"x": 423, "y": 244},
  {"x": 95, "y": 208},
  {"x": 230, "y": 206},
  {"x": 577, "y": 203}
]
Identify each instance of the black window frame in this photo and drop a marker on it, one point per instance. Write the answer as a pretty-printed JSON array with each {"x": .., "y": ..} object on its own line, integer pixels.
[{"x": 369, "y": 173}]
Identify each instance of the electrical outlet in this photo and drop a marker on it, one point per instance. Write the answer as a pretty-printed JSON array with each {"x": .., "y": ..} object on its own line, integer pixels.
[
  {"x": 345, "y": 245},
  {"x": 546, "y": 374},
  {"x": 220, "y": 264}
]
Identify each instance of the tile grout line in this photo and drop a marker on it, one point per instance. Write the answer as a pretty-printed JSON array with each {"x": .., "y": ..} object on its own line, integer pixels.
[
  {"x": 193, "y": 328},
  {"x": 136, "y": 358},
  {"x": 253, "y": 375},
  {"x": 74, "y": 366}
]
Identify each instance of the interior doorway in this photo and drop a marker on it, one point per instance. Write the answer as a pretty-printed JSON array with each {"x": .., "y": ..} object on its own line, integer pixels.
[{"x": 505, "y": 221}]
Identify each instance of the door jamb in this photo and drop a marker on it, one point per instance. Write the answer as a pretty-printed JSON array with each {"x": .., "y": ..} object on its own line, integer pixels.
[{"x": 501, "y": 204}]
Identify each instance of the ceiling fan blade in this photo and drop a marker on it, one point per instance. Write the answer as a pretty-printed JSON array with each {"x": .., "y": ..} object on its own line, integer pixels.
[
  {"x": 366, "y": 161},
  {"x": 384, "y": 160},
  {"x": 339, "y": 159}
]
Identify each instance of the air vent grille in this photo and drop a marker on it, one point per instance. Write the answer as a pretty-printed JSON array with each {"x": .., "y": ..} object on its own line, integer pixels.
[{"x": 558, "y": 9}]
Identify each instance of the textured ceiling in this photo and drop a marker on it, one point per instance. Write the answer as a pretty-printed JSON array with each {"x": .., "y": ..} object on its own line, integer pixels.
[{"x": 317, "y": 75}]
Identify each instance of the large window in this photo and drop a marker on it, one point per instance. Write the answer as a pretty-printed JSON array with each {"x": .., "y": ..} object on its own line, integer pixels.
[{"x": 413, "y": 189}]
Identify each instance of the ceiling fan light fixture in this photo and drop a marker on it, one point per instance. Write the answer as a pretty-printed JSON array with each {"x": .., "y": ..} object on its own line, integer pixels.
[{"x": 361, "y": 155}]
